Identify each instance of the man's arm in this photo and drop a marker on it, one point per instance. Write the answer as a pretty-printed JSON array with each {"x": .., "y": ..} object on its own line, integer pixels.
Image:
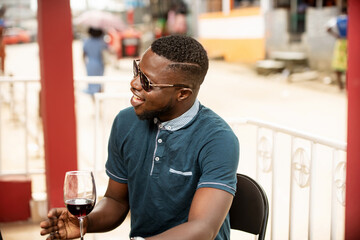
[
  {"x": 207, "y": 213},
  {"x": 111, "y": 211}
]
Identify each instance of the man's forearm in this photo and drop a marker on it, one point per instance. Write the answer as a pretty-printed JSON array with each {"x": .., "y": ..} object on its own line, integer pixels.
[
  {"x": 207, "y": 213},
  {"x": 107, "y": 215},
  {"x": 190, "y": 230}
]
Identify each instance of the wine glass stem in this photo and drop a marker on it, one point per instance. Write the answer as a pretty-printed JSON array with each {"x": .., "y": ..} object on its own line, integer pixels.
[{"x": 81, "y": 228}]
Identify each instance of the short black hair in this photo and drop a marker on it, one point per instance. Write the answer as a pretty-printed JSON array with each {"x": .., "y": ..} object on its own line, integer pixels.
[
  {"x": 188, "y": 55},
  {"x": 95, "y": 32}
]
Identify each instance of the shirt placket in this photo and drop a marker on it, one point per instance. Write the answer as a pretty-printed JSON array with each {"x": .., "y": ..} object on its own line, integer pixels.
[{"x": 158, "y": 151}]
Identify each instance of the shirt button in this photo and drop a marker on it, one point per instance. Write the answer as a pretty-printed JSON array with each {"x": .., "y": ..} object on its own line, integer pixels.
[
  {"x": 168, "y": 127},
  {"x": 160, "y": 140},
  {"x": 157, "y": 158}
]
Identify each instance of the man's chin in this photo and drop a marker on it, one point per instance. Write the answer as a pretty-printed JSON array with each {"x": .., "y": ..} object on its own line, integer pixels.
[
  {"x": 142, "y": 117},
  {"x": 145, "y": 115},
  {"x": 150, "y": 115}
]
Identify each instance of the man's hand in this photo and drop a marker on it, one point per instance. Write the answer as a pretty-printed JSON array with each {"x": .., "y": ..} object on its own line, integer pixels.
[{"x": 61, "y": 224}]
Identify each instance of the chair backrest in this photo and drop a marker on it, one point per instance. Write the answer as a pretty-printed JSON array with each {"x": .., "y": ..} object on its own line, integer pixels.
[{"x": 249, "y": 211}]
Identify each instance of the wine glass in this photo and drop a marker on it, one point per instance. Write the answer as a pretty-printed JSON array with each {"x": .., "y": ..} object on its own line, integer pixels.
[{"x": 79, "y": 194}]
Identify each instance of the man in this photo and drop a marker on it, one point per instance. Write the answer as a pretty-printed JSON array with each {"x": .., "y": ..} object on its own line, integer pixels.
[{"x": 172, "y": 161}]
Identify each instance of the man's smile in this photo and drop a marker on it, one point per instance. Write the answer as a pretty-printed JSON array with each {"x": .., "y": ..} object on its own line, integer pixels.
[{"x": 136, "y": 100}]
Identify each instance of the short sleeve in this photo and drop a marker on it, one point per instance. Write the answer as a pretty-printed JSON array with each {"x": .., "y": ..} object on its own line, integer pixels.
[
  {"x": 115, "y": 165},
  {"x": 219, "y": 162}
]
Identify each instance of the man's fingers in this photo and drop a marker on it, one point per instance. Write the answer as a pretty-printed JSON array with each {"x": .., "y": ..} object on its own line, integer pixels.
[
  {"x": 49, "y": 230},
  {"x": 55, "y": 212},
  {"x": 52, "y": 236},
  {"x": 49, "y": 223},
  {"x": 51, "y": 226},
  {"x": 52, "y": 213}
]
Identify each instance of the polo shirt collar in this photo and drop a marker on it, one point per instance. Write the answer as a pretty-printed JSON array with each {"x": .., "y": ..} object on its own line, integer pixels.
[{"x": 179, "y": 122}]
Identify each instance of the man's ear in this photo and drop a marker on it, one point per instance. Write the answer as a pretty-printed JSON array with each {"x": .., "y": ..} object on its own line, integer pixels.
[{"x": 184, "y": 94}]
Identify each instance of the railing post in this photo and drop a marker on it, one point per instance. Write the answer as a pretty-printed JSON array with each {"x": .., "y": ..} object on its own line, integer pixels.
[
  {"x": 291, "y": 188},
  {"x": 27, "y": 167},
  {"x": 313, "y": 170},
  {"x": 337, "y": 205},
  {"x": 274, "y": 189},
  {"x": 96, "y": 132}
]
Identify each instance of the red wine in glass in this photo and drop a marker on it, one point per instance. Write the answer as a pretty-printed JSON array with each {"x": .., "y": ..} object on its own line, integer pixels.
[{"x": 80, "y": 207}]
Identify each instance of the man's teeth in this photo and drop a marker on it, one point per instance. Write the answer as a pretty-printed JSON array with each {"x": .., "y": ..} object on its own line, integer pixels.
[{"x": 136, "y": 97}]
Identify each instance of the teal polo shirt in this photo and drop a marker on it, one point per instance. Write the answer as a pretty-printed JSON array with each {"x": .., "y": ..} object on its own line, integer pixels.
[{"x": 165, "y": 163}]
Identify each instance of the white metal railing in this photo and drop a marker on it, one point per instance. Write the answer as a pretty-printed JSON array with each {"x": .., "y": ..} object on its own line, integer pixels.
[
  {"x": 100, "y": 98},
  {"x": 300, "y": 172},
  {"x": 304, "y": 172},
  {"x": 19, "y": 107},
  {"x": 14, "y": 98}
]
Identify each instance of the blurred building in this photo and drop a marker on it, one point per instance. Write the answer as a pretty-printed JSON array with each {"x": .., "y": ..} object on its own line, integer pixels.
[
  {"x": 232, "y": 30},
  {"x": 17, "y": 12},
  {"x": 250, "y": 30}
]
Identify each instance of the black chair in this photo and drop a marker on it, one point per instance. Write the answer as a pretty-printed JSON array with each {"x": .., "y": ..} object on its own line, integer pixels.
[{"x": 249, "y": 211}]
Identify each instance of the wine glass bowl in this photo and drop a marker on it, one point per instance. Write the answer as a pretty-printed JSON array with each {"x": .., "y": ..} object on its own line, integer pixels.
[
  {"x": 79, "y": 194},
  {"x": 79, "y": 207}
]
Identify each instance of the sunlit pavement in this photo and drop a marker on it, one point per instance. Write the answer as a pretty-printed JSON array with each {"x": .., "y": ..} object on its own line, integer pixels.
[{"x": 230, "y": 89}]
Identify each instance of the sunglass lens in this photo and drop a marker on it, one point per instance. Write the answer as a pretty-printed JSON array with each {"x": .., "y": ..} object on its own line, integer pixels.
[
  {"x": 135, "y": 69},
  {"x": 144, "y": 82},
  {"x": 143, "y": 79}
]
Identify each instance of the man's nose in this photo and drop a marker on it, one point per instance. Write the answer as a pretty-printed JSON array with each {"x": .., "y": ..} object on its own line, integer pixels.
[{"x": 135, "y": 83}]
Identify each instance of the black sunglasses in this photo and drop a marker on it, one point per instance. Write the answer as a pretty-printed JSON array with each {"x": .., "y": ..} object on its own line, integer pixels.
[{"x": 146, "y": 83}]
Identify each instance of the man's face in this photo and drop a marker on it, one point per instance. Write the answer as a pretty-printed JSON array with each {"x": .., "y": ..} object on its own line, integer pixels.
[{"x": 158, "y": 102}]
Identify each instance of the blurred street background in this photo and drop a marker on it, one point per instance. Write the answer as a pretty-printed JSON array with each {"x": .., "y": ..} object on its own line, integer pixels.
[{"x": 272, "y": 71}]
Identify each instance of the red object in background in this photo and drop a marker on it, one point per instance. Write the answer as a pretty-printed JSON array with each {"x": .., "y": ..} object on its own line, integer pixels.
[
  {"x": 15, "y": 192},
  {"x": 131, "y": 49},
  {"x": 130, "y": 42},
  {"x": 125, "y": 43},
  {"x": 16, "y": 35},
  {"x": 130, "y": 17},
  {"x": 115, "y": 42}
]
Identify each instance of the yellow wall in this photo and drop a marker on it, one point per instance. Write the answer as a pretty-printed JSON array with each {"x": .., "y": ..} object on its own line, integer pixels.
[
  {"x": 233, "y": 50},
  {"x": 238, "y": 36}
]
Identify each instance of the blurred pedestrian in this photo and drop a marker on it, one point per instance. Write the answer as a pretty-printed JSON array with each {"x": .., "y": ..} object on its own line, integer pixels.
[
  {"x": 93, "y": 53},
  {"x": 337, "y": 27}
]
